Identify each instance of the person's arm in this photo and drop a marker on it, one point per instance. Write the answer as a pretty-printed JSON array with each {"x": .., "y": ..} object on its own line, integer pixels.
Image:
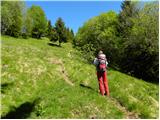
[
  {"x": 106, "y": 63},
  {"x": 95, "y": 62}
]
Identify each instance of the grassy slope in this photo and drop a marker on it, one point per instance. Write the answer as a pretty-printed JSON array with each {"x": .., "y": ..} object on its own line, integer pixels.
[{"x": 64, "y": 86}]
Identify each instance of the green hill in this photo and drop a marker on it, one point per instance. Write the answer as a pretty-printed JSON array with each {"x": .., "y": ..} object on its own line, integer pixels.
[{"x": 42, "y": 80}]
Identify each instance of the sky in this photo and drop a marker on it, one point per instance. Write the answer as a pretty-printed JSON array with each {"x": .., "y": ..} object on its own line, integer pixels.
[{"x": 75, "y": 13}]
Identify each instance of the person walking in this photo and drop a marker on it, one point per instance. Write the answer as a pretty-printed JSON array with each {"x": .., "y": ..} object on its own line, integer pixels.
[{"x": 101, "y": 66}]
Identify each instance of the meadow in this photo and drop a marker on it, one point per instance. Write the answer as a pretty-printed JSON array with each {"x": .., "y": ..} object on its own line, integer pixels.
[{"x": 39, "y": 79}]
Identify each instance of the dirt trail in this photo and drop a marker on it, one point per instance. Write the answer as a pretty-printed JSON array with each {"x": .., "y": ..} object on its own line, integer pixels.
[
  {"x": 61, "y": 69},
  {"x": 128, "y": 114}
]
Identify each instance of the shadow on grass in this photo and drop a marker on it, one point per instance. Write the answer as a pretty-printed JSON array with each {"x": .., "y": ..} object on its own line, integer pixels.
[
  {"x": 85, "y": 86},
  {"x": 88, "y": 87},
  {"x": 21, "y": 112},
  {"x": 52, "y": 44},
  {"x": 5, "y": 86}
]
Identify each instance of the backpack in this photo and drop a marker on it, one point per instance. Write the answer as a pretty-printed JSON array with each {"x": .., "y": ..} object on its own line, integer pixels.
[{"x": 102, "y": 63}]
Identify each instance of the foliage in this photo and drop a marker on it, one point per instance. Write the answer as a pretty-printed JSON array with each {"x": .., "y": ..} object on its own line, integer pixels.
[
  {"x": 38, "y": 21},
  {"x": 69, "y": 34},
  {"x": 27, "y": 24},
  {"x": 6, "y": 20},
  {"x": 141, "y": 49},
  {"x": 17, "y": 20},
  {"x": 100, "y": 32},
  {"x": 54, "y": 35},
  {"x": 129, "y": 39},
  {"x": 49, "y": 29},
  {"x": 88, "y": 51},
  {"x": 61, "y": 30},
  {"x": 129, "y": 10},
  {"x": 11, "y": 20}
]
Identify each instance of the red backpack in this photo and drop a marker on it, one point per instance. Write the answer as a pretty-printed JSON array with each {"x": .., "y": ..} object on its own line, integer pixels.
[{"x": 102, "y": 63}]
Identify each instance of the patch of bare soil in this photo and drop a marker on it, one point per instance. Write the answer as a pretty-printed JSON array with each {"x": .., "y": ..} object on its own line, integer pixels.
[{"x": 61, "y": 69}]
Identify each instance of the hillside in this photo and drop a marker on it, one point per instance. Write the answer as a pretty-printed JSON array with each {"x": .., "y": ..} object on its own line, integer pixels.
[{"x": 42, "y": 80}]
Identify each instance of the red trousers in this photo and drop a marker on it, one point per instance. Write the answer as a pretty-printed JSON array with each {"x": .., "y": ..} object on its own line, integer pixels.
[{"x": 103, "y": 83}]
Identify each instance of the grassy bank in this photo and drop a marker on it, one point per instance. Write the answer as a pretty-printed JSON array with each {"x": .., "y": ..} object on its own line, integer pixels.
[{"x": 42, "y": 80}]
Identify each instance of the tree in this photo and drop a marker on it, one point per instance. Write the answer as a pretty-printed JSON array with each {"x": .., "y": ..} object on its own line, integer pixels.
[
  {"x": 69, "y": 34},
  {"x": 38, "y": 21},
  {"x": 99, "y": 33},
  {"x": 141, "y": 50},
  {"x": 6, "y": 19},
  {"x": 49, "y": 29},
  {"x": 27, "y": 24},
  {"x": 125, "y": 24},
  {"x": 72, "y": 36},
  {"x": 72, "y": 32},
  {"x": 61, "y": 31},
  {"x": 54, "y": 35},
  {"x": 11, "y": 22},
  {"x": 124, "y": 27},
  {"x": 129, "y": 40}
]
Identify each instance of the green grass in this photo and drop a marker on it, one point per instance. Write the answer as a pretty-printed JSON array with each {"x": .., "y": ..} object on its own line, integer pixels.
[{"x": 32, "y": 70}]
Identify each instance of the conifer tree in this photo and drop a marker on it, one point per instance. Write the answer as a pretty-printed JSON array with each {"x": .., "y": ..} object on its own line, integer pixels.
[{"x": 61, "y": 30}]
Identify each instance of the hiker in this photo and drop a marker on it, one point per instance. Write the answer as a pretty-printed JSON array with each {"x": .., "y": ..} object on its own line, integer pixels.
[{"x": 101, "y": 65}]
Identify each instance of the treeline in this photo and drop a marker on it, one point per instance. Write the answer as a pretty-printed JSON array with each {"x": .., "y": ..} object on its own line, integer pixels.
[
  {"x": 19, "y": 21},
  {"x": 129, "y": 39}
]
